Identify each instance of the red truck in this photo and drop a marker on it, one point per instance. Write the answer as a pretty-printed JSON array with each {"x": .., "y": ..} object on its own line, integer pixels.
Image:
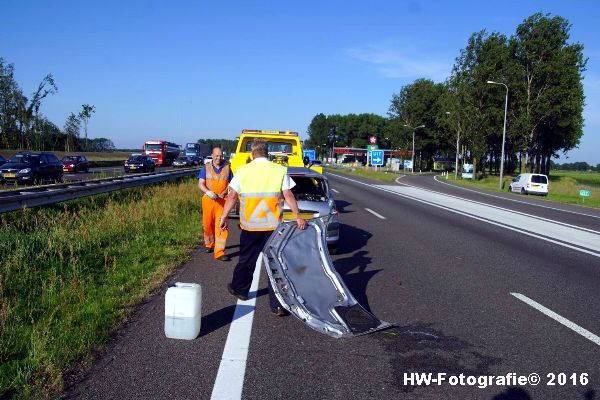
[{"x": 161, "y": 151}]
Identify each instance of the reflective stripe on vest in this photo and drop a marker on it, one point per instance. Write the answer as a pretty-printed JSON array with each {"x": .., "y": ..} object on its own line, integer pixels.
[
  {"x": 217, "y": 182},
  {"x": 260, "y": 191}
]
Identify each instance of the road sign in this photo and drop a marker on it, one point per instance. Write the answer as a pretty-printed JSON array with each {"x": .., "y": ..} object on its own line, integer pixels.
[
  {"x": 407, "y": 164},
  {"x": 372, "y": 147},
  {"x": 584, "y": 193},
  {"x": 309, "y": 153},
  {"x": 377, "y": 157},
  {"x": 372, "y": 140}
]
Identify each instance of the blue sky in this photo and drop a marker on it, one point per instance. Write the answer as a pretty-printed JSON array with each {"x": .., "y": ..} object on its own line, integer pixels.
[{"x": 183, "y": 70}]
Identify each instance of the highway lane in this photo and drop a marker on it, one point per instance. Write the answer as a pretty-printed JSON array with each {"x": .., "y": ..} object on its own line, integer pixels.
[
  {"x": 534, "y": 205},
  {"x": 443, "y": 278}
]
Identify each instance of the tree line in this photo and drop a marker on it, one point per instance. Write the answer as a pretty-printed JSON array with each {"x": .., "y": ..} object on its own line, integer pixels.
[
  {"x": 536, "y": 69},
  {"x": 576, "y": 166},
  {"x": 23, "y": 126}
]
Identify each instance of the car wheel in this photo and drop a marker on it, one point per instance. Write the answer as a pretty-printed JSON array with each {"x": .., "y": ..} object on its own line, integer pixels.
[
  {"x": 509, "y": 188},
  {"x": 523, "y": 191}
]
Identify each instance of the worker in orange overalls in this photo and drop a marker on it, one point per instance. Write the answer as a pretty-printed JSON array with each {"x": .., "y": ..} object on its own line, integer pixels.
[{"x": 213, "y": 179}]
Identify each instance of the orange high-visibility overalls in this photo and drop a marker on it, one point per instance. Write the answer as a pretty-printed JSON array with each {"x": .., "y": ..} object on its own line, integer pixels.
[{"x": 213, "y": 209}]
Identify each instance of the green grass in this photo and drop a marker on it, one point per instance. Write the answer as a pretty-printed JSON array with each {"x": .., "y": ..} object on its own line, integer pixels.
[
  {"x": 584, "y": 178},
  {"x": 563, "y": 187},
  {"x": 70, "y": 274},
  {"x": 365, "y": 173}
]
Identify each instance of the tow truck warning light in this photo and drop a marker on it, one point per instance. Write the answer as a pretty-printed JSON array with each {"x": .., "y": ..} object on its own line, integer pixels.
[{"x": 267, "y": 132}]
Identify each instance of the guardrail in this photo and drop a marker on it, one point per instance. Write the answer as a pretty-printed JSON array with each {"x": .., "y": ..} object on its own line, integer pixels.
[{"x": 12, "y": 200}]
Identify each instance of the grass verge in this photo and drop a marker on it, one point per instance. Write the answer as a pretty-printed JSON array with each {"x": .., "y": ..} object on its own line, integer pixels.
[
  {"x": 70, "y": 273},
  {"x": 364, "y": 173},
  {"x": 563, "y": 188}
]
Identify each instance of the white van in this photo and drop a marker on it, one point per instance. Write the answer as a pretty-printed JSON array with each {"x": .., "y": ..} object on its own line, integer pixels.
[{"x": 530, "y": 184}]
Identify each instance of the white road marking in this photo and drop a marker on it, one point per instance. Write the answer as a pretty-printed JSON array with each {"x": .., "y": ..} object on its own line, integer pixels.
[
  {"x": 335, "y": 191},
  {"x": 508, "y": 209},
  {"x": 230, "y": 378},
  {"x": 571, "y": 325},
  {"x": 575, "y": 238},
  {"x": 515, "y": 200},
  {"x": 375, "y": 214}
]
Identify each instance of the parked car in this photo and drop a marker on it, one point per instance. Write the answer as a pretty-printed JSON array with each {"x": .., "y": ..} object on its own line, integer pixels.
[
  {"x": 2, "y": 159},
  {"x": 32, "y": 167},
  {"x": 182, "y": 162},
  {"x": 529, "y": 184},
  {"x": 196, "y": 160},
  {"x": 314, "y": 199},
  {"x": 140, "y": 163},
  {"x": 72, "y": 164}
]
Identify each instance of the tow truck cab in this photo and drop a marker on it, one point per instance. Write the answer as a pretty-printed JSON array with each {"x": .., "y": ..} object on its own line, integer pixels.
[{"x": 284, "y": 148}]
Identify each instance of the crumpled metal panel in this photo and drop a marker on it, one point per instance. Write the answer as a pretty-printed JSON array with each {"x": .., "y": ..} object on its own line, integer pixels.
[{"x": 307, "y": 285}]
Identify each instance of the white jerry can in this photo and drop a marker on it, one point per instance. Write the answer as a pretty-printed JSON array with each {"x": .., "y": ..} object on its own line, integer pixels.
[{"x": 183, "y": 311}]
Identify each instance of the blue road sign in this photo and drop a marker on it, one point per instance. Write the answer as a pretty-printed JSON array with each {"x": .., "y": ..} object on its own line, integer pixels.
[
  {"x": 377, "y": 157},
  {"x": 309, "y": 153},
  {"x": 407, "y": 164}
]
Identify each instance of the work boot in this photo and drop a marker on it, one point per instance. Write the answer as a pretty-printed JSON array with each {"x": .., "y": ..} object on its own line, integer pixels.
[{"x": 280, "y": 311}]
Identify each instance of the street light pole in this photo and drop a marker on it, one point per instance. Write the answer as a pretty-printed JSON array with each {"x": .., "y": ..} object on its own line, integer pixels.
[
  {"x": 503, "y": 130},
  {"x": 457, "y": 147},
  {"x": 412, "y": 162}
]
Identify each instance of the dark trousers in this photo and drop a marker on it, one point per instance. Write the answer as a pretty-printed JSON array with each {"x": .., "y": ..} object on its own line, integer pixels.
[{"x": 251, "y": 244}]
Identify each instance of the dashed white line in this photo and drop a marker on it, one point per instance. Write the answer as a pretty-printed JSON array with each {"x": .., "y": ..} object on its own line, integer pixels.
[
  {"x": 335, "y": 191},
  {"x": 230, "y": 378},
  {"x": 375, "y": 214},
  {"x": 571, "y": 325}
]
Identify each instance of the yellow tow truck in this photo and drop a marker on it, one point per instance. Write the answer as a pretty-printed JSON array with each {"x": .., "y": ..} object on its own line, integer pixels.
[{"x": 284, "y": 148}]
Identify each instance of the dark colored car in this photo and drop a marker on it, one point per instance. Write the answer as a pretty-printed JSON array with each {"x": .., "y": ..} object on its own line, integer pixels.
[
  {"x": 31, "y": 167},
  {"x": 182, "y": 161},
  {"x": 2, "y": 160},
  {"x": 72, "y": 164},
  {"x": 196, "y": 160},
  {"x": 140, "y": 163}
]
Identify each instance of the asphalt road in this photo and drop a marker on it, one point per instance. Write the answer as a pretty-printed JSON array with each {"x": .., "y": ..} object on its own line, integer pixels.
[{"x": 458, "y": 288}]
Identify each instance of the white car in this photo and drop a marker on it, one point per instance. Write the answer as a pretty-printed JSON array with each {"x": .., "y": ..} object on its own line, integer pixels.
[{"x": 529, "y": 184}]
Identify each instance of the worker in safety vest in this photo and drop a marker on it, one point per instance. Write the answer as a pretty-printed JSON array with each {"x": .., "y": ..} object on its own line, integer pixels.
[
  {"x": 259, "y": 185},
  {"x": 212, "y": 181}
]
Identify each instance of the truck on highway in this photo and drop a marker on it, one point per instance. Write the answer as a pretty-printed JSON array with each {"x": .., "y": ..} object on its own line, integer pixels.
[
  {"x": 192, "y": 149},
  {"x": 162, "y": 152},
  {"x": 284, "y": 148}
]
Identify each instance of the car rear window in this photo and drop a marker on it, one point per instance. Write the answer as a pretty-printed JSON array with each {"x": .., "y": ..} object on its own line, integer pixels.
[
  {"x": 273, "y": 147},
  {"x": 539, "y": 179}
]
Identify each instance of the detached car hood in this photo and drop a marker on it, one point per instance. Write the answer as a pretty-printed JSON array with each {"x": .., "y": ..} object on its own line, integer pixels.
[{"x": 307, "y": 285}]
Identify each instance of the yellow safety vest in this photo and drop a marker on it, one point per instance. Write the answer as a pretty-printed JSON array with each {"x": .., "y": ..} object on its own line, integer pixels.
[{"x": 260, "y": 191}]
